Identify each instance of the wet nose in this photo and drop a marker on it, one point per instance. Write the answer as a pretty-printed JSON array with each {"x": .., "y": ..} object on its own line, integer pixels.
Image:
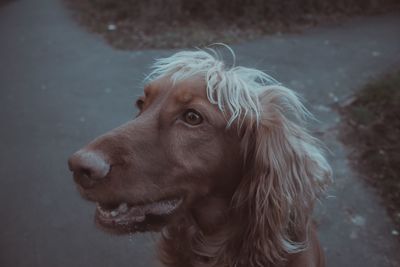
[{"x": 89, "y": 167}]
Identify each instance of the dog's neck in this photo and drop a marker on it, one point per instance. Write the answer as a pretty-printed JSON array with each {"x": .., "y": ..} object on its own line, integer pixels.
[
  {"x": 210, "y": 235},
  {"x": 211, "y": 214},
  {"x": 201, "y": 237}
]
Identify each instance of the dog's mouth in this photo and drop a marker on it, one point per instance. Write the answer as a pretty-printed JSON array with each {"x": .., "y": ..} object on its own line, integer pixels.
[{"x": 125, "y": 217}]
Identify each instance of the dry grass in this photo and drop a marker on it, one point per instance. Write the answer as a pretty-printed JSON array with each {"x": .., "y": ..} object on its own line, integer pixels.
[
  {"x": 131, "y": 24},
  {"x": 372, "y": 128}
]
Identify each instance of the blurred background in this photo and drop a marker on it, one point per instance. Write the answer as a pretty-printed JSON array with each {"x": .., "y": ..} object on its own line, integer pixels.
[
  {"x": 71, "y": 70},
  {"x": 130, "y": 24}
]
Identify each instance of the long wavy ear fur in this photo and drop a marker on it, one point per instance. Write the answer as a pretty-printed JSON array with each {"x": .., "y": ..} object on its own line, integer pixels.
[{"x": 285, "y": 173}]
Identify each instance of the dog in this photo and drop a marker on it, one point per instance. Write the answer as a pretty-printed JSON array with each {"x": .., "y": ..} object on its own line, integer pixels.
[{"x": 218, "y": 160}]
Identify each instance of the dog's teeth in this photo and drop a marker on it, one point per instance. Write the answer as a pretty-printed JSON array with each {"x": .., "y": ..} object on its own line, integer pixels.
[
  {"x": 114, "y": 213},
  {"x": 123, "y": 207},
  {"x": 102, "y": 211},
  {"x": 140, "y": 218}
]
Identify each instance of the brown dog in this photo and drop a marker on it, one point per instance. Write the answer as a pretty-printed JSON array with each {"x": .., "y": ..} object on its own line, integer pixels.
[{"x": 218, "y": 161}]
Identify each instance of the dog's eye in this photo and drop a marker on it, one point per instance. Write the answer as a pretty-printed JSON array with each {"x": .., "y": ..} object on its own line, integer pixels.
[
  {"x": 140, "y": 103},
  {"x": 192, "y": 117}
]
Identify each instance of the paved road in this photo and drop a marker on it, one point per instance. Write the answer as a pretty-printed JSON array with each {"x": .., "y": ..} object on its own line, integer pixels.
[{"x": 61, "y": 86}]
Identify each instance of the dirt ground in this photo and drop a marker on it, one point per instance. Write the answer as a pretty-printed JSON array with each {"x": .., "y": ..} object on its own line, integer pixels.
[
  {"x": 3, "y": 2},
  {"x": 124, "y": 27},
  {"x": 372, "y": 129}
]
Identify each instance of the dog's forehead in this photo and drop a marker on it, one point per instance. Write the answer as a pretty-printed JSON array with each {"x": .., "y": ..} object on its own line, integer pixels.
[
  {"x": 181, "y": 91},
  {"x": 188, "y": 89}
]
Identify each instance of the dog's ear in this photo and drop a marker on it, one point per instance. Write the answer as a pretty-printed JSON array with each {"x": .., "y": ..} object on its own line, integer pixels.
[{"x": 285, "y": 171}]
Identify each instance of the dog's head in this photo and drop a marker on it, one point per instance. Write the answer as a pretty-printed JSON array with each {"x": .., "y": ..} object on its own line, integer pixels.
[
  {"x": 175, "y": 152},
  {"x": 208, "y": 137}
]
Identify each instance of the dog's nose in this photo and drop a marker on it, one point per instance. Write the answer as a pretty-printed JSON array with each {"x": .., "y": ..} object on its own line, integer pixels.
[{"x": 89, "y": 167}]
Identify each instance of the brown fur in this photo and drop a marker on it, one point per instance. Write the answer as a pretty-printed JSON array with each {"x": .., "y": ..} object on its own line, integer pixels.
[{"x": 245, "y": 188}]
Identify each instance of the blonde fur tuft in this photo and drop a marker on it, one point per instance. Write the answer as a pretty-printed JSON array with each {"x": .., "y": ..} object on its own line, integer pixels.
[{"x": 235, "y": 90}]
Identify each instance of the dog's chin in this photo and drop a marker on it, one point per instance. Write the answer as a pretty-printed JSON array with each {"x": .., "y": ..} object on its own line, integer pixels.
[{"x": 124, "y": 218}]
